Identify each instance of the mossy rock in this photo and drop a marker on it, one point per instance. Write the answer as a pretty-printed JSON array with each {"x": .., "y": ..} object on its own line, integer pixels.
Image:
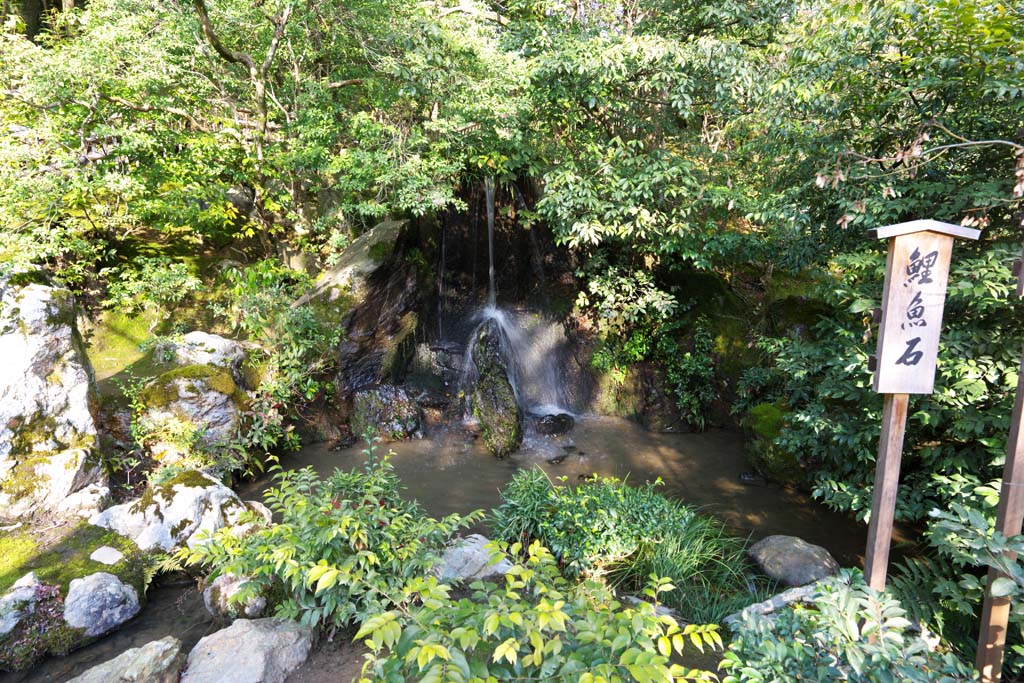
[
  {"x": 387, "y": 411},
  {"x": 164, "y": 390},
  {"x": 764, "y": 423},
  {"x": 493, "y": 399}
]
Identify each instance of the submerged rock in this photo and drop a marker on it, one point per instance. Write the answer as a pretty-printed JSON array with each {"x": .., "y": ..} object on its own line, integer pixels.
[
  {"x": 159, "y": 661},
  {"x": 552, "y": 425},
  {"x": 493, "y": 399},
  {"x": 250, "y": 651},
  {"x": 99, "y": 603},
  {"x": 469, "y": 559},
  {"x": 170, "y": 515},
  {"x": 218, "y": 599},
  {"x": 792, "y": 560},
  {"x": 47, "y": 432},
  {"x": 388, "y": 411}
]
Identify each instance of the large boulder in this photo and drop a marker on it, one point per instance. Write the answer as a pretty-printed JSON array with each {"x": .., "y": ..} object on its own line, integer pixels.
[
  {"x": 219, "y": 598},
  {"x": 203, "y": 348},
  {"x": 792, "y": 560},
  {"x": 493, "y": 400},
  {"x": 159, "y": 661},
  {"x": 171, "y": 514},
  {"x": 99, "y": 603},
  {"x": 47, "y": 433},
  {"x": 469, "y": 559},
  {"x": 250, "y": 651},
  {"x": 194, "y": 405},
  {"x": 386, "y": 410}
]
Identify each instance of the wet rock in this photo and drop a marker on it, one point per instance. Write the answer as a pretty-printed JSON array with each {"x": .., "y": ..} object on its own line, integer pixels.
[
  {"x": 792, "y": 560},
  {"x": 203, "y": 348},
  {"x": 493, "y": 400},
  {"x": 552, "y": 425},
  {"x": 200, "y": 402},
  {"x": 443, "y": 361},
  {"x": 170, "y": 515},
  {"x": 159, "y": 661},
  {"x": 99, "y": 603},
  {"x": 218, "y": 599},
  {"x": 270, "y": 648},
  {"x": 47, "y": 432},
  {"x": 469, "y": 559},
  {"x": 18, "y": 602},
  {"x": 386, "y": 410}
]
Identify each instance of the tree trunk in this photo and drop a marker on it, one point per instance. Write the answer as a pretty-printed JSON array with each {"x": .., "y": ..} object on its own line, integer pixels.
[{"x": 32, "y": 14}]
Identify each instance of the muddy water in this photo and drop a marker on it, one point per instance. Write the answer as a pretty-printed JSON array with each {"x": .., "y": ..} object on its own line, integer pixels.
[{"x": 450, "y": 472}]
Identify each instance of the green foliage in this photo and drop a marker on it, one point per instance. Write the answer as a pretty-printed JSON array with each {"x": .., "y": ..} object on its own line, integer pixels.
[
  {"x": 850, "y": 633},
  {"x": 690, "y": 374},
  {"x": 536, "y": 627},
  {"x": 605, "y": 528},
  {"x": 344, "y": 547},
  {"x": 158, "y": 284}
]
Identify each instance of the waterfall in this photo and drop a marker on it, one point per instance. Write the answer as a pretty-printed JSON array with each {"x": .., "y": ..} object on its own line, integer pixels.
[
  {"x": 533, "y": 351},
  {"x": 492, "y": 295}
]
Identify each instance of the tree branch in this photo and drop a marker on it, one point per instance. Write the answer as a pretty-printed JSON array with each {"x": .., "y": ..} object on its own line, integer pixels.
[
  {"x": 174, "y": 111},
  {"x": 228, "y": 55}
]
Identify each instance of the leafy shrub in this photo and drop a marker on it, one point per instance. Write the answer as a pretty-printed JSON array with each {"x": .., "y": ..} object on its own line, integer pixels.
[
  {"x": 850, "y": 633},
  {"x": 344, "y": 548},
  {"x": 691, "y": 373},
  {"x": 154, "y": 284},
  {"x": 627, "y": 533},
  {"x": 538, "y": 627}
]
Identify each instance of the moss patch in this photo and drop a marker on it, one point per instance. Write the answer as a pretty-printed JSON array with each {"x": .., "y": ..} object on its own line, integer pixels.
[
  {"x": 164, "y": 389},
  {"x": 765, "y": 423},
  {"x": 60, "y": 558}
]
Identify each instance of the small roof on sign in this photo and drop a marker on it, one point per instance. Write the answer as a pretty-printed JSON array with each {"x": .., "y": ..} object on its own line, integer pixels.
[{"x": 922, "y": 226}]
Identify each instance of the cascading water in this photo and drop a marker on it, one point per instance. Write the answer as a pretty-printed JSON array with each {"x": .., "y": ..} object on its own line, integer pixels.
[{"x": 530, "y": 346}]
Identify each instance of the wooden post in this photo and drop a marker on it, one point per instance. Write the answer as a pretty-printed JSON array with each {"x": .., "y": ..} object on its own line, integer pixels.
[
  {"x": 913, "y": 299},
  {"x": 887, "y": 479},
  {"x": 996, "y": 612}
]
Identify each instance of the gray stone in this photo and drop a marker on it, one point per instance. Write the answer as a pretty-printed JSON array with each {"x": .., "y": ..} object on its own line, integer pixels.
[
  {"x": 249, "y": 651},
  {"x": 18, "y": 602},
  {"x": 218, "y": 599},
  {"x": 469, "y": 559},
  {"x": 769, "y": 608},
  {"x": 106, "y": 555},
  {"x": 203, "y": 348},
  {"x": 792, "y": 560},
  {"x": 99, "y": 603},
  {"x": 47, "y": 432},
  {"x": 159, "y": 661},
  {"x": 86, "y": 502},
  {"x": 172, "y": 514},
  {"x": 388, "y": 411}
]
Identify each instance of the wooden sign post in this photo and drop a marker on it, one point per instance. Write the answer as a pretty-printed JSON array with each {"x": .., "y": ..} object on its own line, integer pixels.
[
  {"x": 916, "y": 273},
  {"x": 996, "y": 613}
]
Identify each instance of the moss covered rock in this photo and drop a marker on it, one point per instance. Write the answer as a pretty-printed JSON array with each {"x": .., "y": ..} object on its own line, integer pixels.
[
  {"x": 194, "y": 405},
  {"x": 387, "y": 411},
  {"x": 493, "y": 399},
  {"x": 764, "y": 424},
  {"x": 170, "y": 515},
  {"x": 47, "y": 432}
]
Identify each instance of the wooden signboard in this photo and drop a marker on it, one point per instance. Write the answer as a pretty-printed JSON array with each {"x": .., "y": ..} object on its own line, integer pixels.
[{"x": 913, "y": 298}]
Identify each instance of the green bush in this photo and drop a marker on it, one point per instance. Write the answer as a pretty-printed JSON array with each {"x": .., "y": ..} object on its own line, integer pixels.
[
  {"x": 537, "y": 627},
  {"x": 343, "y": 549},
  {"x": 850, "y": 633},
  {"x": 605, "y": 528}
]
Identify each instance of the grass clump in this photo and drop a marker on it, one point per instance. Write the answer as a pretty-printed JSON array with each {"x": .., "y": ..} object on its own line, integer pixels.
[{"x": 626, "y": 534}]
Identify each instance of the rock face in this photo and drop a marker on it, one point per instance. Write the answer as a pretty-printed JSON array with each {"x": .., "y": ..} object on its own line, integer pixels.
[
  {"x": 249, "y": 651},
  {"x": 202, "y": 400},
  {"x": 47, "y": 432},
  {"x": 159, "y": 661},
  {"x": 493, "y": 400},
  {"x": 18, "y": 602},
  {"x": 387, "y": 410},
  {"x": 170, "y": 515},
  {"x": 217, "y": 598},
  {"x": 203, "y": 348},
  {"x": 443, "y": 360},
  {"x": 99, "y": 603},
  {"x": 792, "y": 560},
  {"x": 468, "y": 559}
]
